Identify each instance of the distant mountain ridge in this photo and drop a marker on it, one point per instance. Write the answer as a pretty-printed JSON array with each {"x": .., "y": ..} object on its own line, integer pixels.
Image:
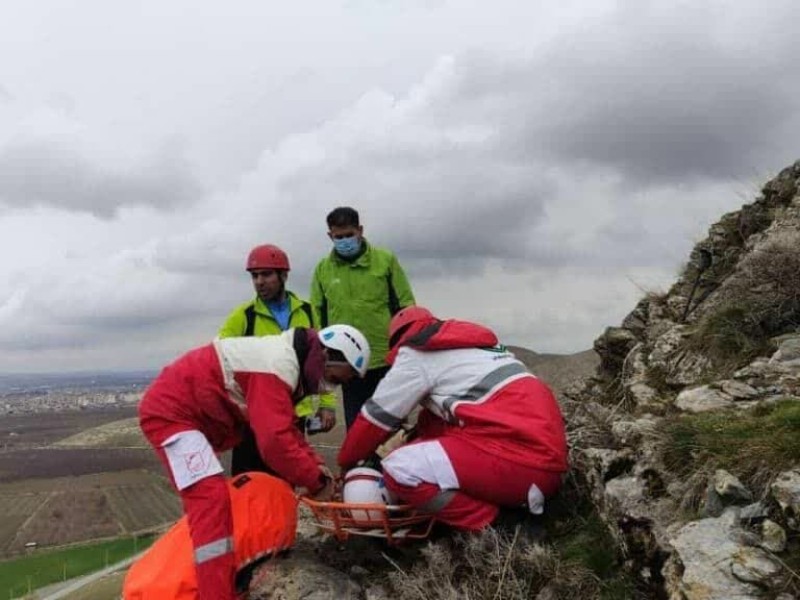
[{"x": 559, "y": 371}]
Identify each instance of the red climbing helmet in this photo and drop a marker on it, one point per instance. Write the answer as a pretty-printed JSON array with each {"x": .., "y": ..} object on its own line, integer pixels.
[
  {"x": 406, "y": 317},
  {"x": 267, "y": 256}
]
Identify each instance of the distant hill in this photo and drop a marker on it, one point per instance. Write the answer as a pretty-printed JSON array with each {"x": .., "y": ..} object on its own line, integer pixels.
[
  {"x": 124, "y": 433},
  {"x": 558, "y": 370}
]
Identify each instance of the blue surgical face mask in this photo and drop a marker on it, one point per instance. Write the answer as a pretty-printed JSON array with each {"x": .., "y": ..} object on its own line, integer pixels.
[{"x": 348, "y": 246}]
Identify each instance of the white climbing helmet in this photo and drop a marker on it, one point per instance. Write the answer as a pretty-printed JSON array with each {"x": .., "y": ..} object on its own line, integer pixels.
[
  {"x": 349, "y": 341},
  {"x": 363, "y": 485}
]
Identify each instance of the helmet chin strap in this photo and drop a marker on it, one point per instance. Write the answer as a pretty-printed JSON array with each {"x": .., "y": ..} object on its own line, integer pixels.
[{"x": 310, "y": 358}]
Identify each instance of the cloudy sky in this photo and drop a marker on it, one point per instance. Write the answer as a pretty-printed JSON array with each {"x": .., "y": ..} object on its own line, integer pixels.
[{"x": 535, "y": 165}]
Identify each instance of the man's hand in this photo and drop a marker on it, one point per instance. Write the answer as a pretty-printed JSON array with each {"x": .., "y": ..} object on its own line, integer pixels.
[
  {"x": 327, "y": 417},
  {"x": 326, "y": 493}
]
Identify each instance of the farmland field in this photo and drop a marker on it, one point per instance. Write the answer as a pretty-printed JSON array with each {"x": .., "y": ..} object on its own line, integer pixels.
[
  {"x": 75, "y": 509},
  {"x": 40, "y": 429},
  {"x": 48, "y": 463},
  {"x": 124, "y": 433},
  {"x": 28, "y": 450},
  {"x": 143, "y": 505},
  {"x": 68, "y": 516},
  {"x": 15, "y": 509}
]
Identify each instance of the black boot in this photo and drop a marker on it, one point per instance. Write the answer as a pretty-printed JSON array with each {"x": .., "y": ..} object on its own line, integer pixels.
[{"x": 519, "y": 522}]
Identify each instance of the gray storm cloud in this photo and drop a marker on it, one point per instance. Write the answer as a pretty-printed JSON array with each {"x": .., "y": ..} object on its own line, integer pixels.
[
  {"x": 39, "y": 173},
  {"x": 538, "y": 188}
]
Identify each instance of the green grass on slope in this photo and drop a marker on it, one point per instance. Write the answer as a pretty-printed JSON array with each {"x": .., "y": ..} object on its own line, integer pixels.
[
  {"x": 754, "y": 445},
  {"x": 41, "y": 568}
]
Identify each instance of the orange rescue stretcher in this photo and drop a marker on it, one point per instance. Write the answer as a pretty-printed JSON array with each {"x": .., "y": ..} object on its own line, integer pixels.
[{"x": 396, "y": 523}]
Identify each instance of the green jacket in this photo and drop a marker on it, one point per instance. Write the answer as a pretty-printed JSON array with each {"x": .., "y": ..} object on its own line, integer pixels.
[
  {"x": 261, "y": 322},
  {"x": 364, "y": 293}
]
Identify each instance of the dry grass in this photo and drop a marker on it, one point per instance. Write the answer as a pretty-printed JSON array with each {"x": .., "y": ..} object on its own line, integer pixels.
[
  {"x": 588, "y": 426},
  {"x": 491, "y": 566},
  {"x": 579, "y": 559}
]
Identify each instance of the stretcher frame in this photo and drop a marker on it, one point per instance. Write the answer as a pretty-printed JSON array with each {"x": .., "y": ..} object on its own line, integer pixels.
[{"x": 396, "y": 523}]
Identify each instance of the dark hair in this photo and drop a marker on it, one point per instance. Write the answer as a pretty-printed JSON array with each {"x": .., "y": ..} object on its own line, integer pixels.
[
  {"x": 343, "y": 216},
  {"x": 336, "y": 356}
]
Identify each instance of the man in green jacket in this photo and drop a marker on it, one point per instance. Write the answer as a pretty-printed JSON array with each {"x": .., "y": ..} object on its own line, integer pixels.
[
  {"x": 273, "y": 310},
  {"x": 360, "y": 285}
]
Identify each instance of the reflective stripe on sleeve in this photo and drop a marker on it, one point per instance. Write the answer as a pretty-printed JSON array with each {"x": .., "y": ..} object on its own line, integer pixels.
[
  {"x": 481, "y": 389},
  {"x": 381, "y": 417},
  {"x": 213, "y": 550}
]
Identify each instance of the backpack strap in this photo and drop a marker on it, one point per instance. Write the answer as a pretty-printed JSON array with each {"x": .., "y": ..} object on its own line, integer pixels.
[
  {"x": 307, "y": 309},
  {"x": 250, "y": 316},
  {"x": 300, "y": 345},
  {"x": 301, "y": 348},
  {"x": 323, "y": 311},
  {"x": 418, "y": 340},
  {"x": 394, "y": 302}
]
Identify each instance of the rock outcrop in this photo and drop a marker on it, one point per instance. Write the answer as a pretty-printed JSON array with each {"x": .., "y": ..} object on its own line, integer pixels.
[{"x": 688, "y": 435}]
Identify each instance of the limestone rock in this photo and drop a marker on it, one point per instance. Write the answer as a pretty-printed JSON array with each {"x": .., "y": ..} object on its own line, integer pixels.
[
  {"x": 608, "y": 463},
  {"x": 712, "y": 506},
  {"x": 634, "y": 379},
  {"x": 752, "y": 565},
  {"x": 613, "y": 347},
  {"x": 753, "y": 512},
  {"x": 730, "y": 488},
  {"x": 665, "y": 347},
  {"x": 624, "y": 495},
  {"x": 786, "y": 490},
  {"x": 654, "y": 362},
  {"x": 715, "y": 566},
  {"x": 637, "y": 320},
  {"x": 789, "y": 350},
  {"x": 703, "y": 399},
  {"x": 630, "y": 433},
  {"x": 302, "y": 577},
  {"x": 644, "y": 396},
  {"x": 738, "y": 390},
  {"x": 773, "y": 537}
]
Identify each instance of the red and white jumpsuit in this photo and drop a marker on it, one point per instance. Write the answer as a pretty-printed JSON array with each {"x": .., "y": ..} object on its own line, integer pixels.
[
  {"x": 195, "y": 409},
  {"x": 490, "y": 433}
]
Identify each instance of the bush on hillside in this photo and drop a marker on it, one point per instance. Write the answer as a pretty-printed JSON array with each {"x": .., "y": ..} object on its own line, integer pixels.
[{"x": 761, "y": 301}]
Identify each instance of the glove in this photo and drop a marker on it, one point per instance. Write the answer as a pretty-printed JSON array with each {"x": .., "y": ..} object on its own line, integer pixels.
[{"x": 393, "y": 443}]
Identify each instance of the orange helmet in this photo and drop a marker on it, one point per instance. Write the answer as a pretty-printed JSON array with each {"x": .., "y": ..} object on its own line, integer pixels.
[
  {"x": 404, "y": 318},
  {"x": 267, "y": 257}
]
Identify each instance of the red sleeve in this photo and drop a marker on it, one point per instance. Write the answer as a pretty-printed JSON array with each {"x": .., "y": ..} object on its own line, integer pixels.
[
  {"x": 363, "y": 438},
  {"x": 271, "y": 415}
]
